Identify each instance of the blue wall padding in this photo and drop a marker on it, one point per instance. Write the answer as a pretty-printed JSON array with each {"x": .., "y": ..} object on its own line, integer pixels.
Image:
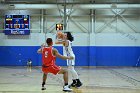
[{"x": 85, "y": 55}]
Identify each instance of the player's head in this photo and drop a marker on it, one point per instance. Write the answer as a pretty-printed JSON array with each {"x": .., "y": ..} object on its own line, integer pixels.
[
  {"x": 69, "y": 36},
  {"x": 49, "y": 41}
]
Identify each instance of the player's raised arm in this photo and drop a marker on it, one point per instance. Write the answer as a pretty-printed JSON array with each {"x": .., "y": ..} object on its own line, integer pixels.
[
  {"x": 57, "y": 41},
  {"x": 40, "y": 49},
  {"x": 60, "y": 38}
]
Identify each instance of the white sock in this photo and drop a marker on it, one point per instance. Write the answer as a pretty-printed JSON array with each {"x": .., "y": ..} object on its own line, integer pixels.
[{"x": 73, "y": 72}]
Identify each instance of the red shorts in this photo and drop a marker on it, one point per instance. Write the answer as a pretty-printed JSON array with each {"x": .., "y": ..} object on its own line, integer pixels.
[{"x": 51, "y": 69}]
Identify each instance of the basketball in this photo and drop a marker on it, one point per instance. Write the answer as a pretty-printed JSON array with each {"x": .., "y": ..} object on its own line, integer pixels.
[{"x": 60, "y": 34}]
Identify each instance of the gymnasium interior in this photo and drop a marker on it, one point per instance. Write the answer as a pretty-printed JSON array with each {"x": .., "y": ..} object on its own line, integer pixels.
[{"x": 106, "y": 44}]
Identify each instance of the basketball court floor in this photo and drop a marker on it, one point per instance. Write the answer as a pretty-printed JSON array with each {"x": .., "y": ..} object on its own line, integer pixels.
[{"x": 95, "y": 80}]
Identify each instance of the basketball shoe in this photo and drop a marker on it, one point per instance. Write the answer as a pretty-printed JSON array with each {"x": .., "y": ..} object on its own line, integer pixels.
[{"x": 67, "y": 89}]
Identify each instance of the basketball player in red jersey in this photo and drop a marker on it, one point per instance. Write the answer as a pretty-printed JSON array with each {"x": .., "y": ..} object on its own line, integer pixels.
[{"x": 49, "y": 55}]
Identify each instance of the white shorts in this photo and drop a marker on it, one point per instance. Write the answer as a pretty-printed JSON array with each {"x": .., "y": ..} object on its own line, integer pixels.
[{"x": 71, "y": 62}]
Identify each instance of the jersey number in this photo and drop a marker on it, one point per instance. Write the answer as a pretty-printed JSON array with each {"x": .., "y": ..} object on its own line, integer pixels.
[{"x": 46, "y": 54}]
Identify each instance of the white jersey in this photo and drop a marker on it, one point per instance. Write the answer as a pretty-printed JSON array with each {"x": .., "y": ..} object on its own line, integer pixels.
[{"x": 67, "y": 51}]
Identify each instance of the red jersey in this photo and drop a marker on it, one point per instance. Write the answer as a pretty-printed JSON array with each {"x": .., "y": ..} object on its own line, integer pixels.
[{"x": 48, "y": 58}]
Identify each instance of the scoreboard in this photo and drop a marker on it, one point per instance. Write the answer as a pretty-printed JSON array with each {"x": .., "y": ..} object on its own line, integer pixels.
[{"x": 17, "y": 25}]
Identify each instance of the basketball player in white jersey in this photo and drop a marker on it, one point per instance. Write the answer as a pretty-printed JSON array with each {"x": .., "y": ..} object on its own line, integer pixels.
[{"x": 67, "y": 51}]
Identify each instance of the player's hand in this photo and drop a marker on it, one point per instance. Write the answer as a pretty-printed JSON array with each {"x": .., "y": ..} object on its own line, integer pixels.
[
  {"x": 43, "y": 45},
  {"x": 71, "y": 57}
]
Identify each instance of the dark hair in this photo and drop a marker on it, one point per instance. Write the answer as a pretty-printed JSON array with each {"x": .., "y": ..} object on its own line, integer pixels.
[
  {"x": 49, "y": 41},
  {"x": 69, "y": 36}
]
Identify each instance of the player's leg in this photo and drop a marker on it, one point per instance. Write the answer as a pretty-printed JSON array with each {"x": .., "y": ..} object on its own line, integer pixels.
[
  {"x": 58, "y": 70},
  {"x": 76, "y": 81},
  {"x": 44, "y": 81},
  {"x": 65, "y": 77},
  {"x": 74, "y": 75}
]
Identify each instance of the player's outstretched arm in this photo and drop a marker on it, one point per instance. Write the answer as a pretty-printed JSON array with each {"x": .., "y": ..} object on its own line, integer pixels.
[
  {"x": 59, "y": 41},
  {"x": 57, "y": 54},
  {"x": 60, "y": 38},
  {"x": 63, "y": 42},
  {"x": 40, "y": 49}
]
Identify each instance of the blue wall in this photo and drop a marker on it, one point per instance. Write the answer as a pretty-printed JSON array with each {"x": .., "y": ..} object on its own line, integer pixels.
[
  {"x": 85, "y": 55},
  {"x": 117, "y": 56}
]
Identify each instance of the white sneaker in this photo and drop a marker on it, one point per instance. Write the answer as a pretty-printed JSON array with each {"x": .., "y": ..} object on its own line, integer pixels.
[
  {"x": 43, "y": 88},
  {"x": 67, "y": 89}
]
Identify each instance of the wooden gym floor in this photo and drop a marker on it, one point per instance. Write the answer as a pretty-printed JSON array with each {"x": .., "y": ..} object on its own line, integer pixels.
[{"x": 95, "y": 80}]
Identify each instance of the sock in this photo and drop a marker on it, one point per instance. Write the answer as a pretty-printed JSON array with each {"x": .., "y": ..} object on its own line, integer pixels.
[
  {"x": 66, "y": 84},
  {"x": 43, "y": 83}
]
